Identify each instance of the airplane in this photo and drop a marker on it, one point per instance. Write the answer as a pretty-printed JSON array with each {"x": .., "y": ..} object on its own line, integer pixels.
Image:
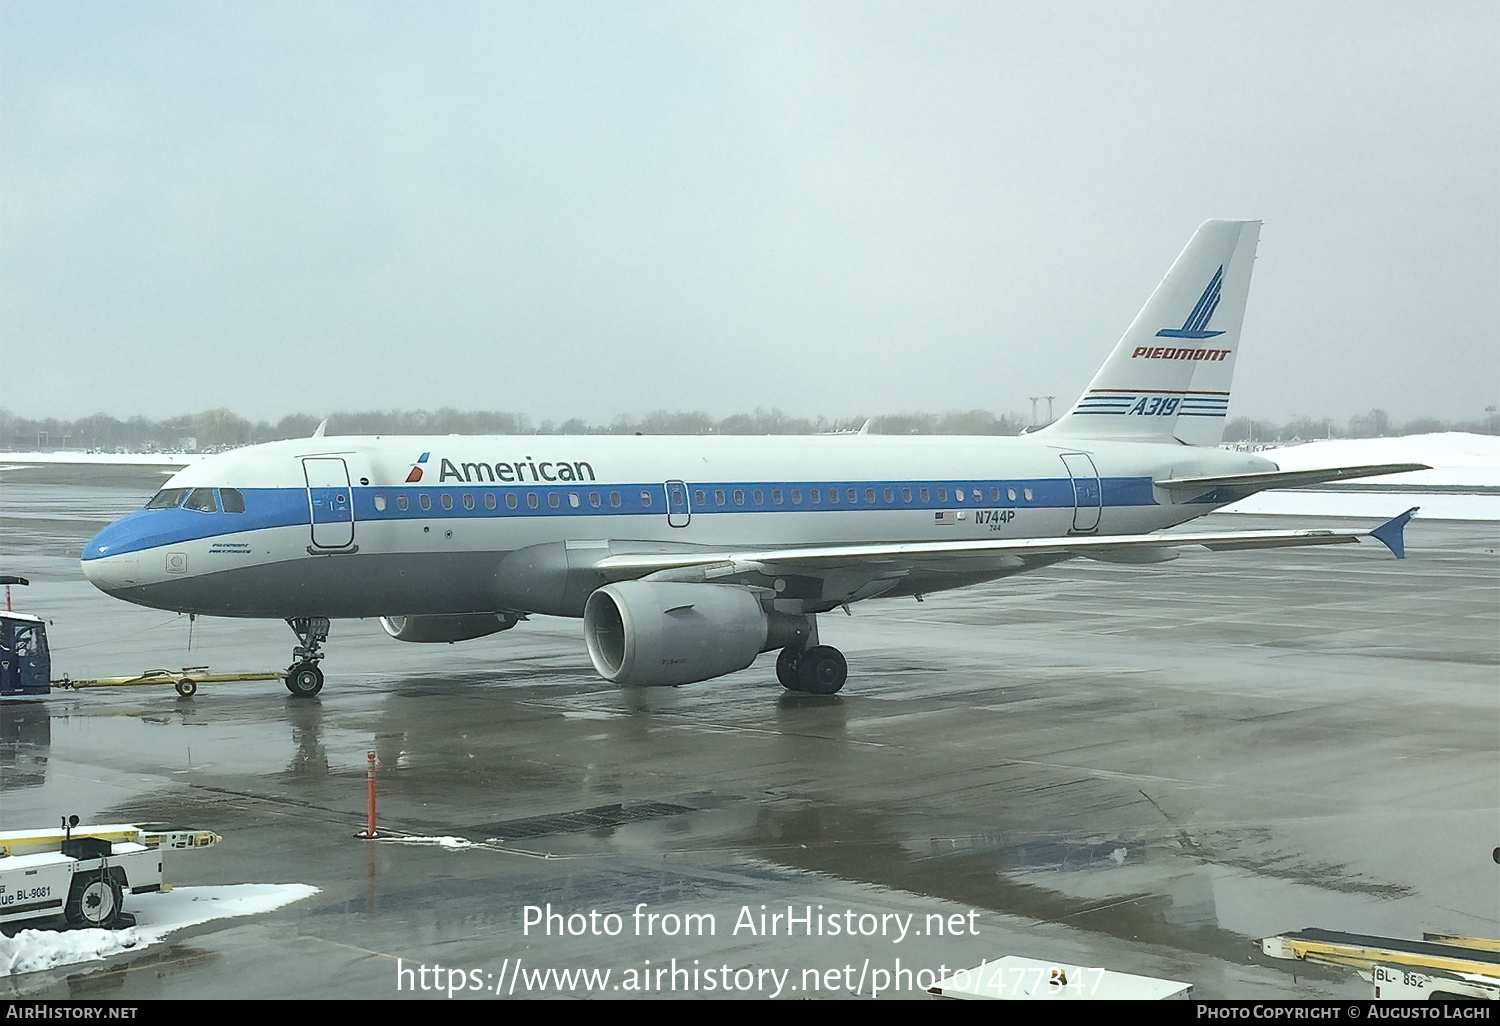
[{"x": 688, "y": 557}]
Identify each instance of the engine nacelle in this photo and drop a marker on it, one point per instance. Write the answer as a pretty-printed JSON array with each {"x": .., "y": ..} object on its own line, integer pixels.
[
  {"x": 661, "y": 632},
  {"x": 457, "y": 627}
]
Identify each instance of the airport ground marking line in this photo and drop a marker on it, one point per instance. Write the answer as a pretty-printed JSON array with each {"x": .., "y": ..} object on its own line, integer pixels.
[{"x": 1119, "y": 775}]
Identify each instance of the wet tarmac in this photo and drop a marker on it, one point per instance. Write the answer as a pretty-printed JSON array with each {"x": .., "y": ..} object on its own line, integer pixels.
[{"x": 1139, "y": 768}]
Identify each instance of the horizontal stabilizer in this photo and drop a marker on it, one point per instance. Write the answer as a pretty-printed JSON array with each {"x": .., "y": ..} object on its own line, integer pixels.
[
  {"x": 1391, "y": 533},
  {"x": 1259, "y": 482}
]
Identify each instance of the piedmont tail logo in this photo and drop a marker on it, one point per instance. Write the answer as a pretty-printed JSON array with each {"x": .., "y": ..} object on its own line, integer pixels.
[
  {"x": 1197, "y": 321},
  {"x": 416, "y": 469}
]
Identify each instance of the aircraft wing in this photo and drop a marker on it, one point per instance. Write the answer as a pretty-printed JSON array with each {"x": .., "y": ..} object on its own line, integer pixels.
[
  {"x": 1259, "y": 482},
  {"x": 962, "y": 556}
]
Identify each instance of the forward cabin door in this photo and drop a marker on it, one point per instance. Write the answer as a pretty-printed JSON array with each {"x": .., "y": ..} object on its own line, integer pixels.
[
  {"x": 1088, "y": 497},
  {"x": 330, "y": 502},
  {"x": 679, "y": 513}
]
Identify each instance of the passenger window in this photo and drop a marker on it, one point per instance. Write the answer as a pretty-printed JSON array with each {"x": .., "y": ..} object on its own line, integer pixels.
[
  {"x": 553, "y": 500},
  {"x": 234, "y": 502},
  {"x": 942, "y": 495},
  {"x": 424, "y": 501},
  {"x": 890, "y": 495},
  {"x": 815, "y": 495},
  {"x": 906, "y": 495},
  {"x": 869, "y": 495},
  {"x": 739, "y": 497},
  {"x": 379, "y": 504},
  {"x": 510, "y": 500},
  {"x": 489, "y": 500},
  {"x": 573, "y": 499},
  {"x": 531, "y": 500},
  {"x": 718, "y": 497},
  {"x": 852, "y": 494},
  {"x": 447, "y": 501},
  {"x": 776, "y": 496},
  {"x": 1028, "y": 495},
  {"x": 594, "y": 499},
  {"x": 699, "y": 499},
  {"x": 614, "y": 499},
  {"x": 1011, "y": 493},
  {"x": 926, "y": 495},
  {"x": 833, "y": 496},
  {"x": 646, "y": 500},
  {"x": 796, "y": 496},
  {"x": 401, "y": 503},
  {"x": 759, "y": 497},
  {"x": 468, "y": 502},
  {"x": 994, "y": 495}
]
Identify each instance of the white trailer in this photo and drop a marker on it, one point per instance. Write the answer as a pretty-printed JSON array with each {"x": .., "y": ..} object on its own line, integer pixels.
[{"x": 83, "y": 873}]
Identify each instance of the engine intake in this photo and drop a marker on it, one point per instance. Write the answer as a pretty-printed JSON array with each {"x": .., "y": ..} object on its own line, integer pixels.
[
  {"x": 667, "y": 633},
  {"x": 457, "y": 627}
]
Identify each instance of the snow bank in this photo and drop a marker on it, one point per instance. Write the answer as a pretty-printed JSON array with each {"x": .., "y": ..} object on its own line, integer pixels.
[
  {"x": 156, "y": 916},
  {"x": 1458, "y": 461}
]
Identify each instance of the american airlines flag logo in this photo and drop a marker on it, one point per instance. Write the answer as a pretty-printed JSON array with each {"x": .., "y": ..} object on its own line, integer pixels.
[
  {"x": 947, "y": 518},
  {"x": 416, "y": 469}
]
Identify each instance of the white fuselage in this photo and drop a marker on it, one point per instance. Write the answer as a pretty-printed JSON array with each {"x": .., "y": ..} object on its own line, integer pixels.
[{"x": 371, "y": 526}]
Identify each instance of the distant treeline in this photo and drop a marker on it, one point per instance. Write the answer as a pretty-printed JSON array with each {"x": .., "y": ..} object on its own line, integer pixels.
[
  {"x": 1375, "y": 424},
  {"x": 213, "y": 429}
]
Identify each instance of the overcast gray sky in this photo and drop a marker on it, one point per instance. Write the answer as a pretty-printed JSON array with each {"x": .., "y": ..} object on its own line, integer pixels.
[{"x": 585, "y": 209}]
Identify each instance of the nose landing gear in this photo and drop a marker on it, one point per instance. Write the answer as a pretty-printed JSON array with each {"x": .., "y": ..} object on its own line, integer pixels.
[{"x": 303, "y": 678}]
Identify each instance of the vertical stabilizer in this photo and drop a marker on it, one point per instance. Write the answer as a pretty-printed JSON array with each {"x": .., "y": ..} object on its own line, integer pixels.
[{"x": 1169, "y": 376}]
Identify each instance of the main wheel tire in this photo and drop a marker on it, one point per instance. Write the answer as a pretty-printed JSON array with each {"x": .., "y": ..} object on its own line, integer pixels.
[
  {"x": 821, "y": 670},
  {"x": 187, "y": 688},
  {"x": 786, "y": 669},
  {"x": 94, "y": 899},
  {"x": 304, "y": 680}
]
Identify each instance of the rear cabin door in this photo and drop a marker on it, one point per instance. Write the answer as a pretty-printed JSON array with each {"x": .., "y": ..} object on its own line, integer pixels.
[
  {"x": 1088, "y": 498},
  {"x": 330, "y": 502}
]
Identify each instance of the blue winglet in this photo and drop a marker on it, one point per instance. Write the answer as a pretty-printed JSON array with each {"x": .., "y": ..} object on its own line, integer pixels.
[{"x": 1389, "y": 533}]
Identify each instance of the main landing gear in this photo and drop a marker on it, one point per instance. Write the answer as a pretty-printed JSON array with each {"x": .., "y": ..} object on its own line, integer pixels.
[
  {"x": 819, "y": 670},
  {"x": 303, "y": 678}
]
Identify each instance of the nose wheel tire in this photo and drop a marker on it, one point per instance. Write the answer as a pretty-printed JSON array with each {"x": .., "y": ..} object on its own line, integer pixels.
[{"x": 304, "y": 679}]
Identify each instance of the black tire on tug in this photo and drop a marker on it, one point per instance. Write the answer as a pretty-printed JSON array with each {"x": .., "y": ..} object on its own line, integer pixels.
[
  {"x": 94, "y": 900},
  {"x": 187, "y": 688},
  {"x": 304, "y": 680},
  {"x": 786, "y": 669},
  {"x": 822, "y": 670}
]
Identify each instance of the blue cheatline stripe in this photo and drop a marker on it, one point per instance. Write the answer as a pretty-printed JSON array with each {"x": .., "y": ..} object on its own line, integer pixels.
[{"x": 267, "y": 508}]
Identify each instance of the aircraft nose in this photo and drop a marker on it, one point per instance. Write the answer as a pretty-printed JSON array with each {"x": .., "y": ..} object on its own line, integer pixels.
[{"x": 106, "y": 567}]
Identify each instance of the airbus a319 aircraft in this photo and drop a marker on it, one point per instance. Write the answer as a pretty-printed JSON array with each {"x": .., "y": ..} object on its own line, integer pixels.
[{"x": 687, "y": 557}]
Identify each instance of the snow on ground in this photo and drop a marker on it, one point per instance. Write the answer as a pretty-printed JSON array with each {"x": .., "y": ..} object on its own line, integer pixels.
[
  {"x": 156, "y": 916},
  {"x": 1458, "y": 461}
]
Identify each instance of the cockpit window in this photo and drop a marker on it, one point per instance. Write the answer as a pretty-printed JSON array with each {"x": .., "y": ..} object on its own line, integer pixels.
[
  {"x": 233, "y": 501},
  {"x": 167, "y": 498},
  {"x": 202, "y": 500}
]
